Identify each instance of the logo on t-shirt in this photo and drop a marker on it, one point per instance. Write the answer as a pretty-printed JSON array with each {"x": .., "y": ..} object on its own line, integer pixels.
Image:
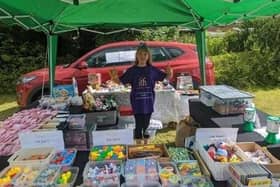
[{"x": 142, "y": 82}]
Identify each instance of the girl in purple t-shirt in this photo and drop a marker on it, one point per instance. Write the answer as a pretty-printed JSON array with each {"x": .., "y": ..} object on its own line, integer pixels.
[{"x": 142, "y": 77}]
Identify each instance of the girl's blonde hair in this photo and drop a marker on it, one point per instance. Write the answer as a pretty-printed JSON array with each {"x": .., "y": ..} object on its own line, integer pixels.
[{"x": 143, "y": 47}]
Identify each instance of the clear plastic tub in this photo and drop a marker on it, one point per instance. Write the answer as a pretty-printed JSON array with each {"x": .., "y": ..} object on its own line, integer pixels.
[
  {"x": 77, "y": 121},
  {"x": 189, "y": 168},
  {"x": 47, "y": 176},
  {"x": 35, "y": 157},
  {"x": 101, "y": 153},
  {"x": 74, "y": 173},
  {"x": 225, "y": 99},
  {"x": 8, "y": 174},
  {"x": 91, "y": 177},
  {"x": 27, "y": 177},
  {"x": 110, "y": 185},
  {"x": 151, "y": 184},
  {"x": 131, "y": 185},
  {"x": 196, "y": 181},
  {"x": 259, "y": 182},
  {"x": 141, "y": 170},
  {"x": 64, "y": 158},
  {"x": 169, "y": 174},
  {"x": 145, "y": 184}
]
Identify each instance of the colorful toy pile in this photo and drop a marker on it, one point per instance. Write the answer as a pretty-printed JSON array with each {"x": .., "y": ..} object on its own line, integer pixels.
[
  {"x": 196, "y": 182},
  {"x": 178, "y": 154},
  {"x": 102, "y": 173},
  {"x": 99, "y": 103},
  {"x": 142, "y": 151},
  {"x": 259, "y": 157},
  {"x": 37, "y": 157},
  {"x": 141, "y": 170},
  {"x": 64, "y": 178},
  {"x": 168, "y": 174},
  {"x": 189, "y": 168},
  {"x": 65, "y": 157},
  {"x": 222, "y": 152},
  {"x": 47, "y": 176},
  {"x": 8, "y": 176},
  {"x": 27, "y": 177},
  {"x": 110, "y": 152}
]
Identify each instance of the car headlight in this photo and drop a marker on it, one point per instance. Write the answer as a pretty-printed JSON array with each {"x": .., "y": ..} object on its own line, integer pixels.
[{"x": 24, "y": 80}]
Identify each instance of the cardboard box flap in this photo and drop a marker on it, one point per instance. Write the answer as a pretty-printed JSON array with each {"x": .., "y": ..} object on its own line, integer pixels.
[{"x": 209, "y": 135}]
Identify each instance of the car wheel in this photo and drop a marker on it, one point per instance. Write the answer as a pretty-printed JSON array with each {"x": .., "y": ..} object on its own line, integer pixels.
[{"x": 34, "y": 101}]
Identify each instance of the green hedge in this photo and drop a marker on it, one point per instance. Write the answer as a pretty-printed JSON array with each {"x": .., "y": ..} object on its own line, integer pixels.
[{"x": 247, "y": 69}]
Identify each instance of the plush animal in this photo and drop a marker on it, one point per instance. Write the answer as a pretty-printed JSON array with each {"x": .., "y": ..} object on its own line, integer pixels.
[{"x": 88, "y": 101}]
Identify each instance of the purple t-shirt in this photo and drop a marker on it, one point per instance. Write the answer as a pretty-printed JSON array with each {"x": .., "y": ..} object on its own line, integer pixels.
[{"x": 142, "y": 80}]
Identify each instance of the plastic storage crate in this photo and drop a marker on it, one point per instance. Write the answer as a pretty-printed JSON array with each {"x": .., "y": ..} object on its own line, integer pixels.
[
  {"x": 76, "y": 121},
  {"x": 225, "y": 99},
  {"x": 81, "y": 139},
  {"x": 104, "y": 179},
  {"x": 156, "y": 151},
  {"x": 102, "y": 118},
  {"x": 35, "y": 157},
  {"x": 233, "y": 181},
  {"x": 64, "y": 158},
  {"x": 206, "y": 136},
  {"x": 47, "y": 176},
  {"x": 108, "y": 153},
  {"x": 145, "y": 184},
  {"x": 274, "y": 171},
  {"x": 187, "y": 181},
  {"x": 141, "y": 171},
  {"x": 27, "y": 177},
  {"x": 10, "y": 172},
  {"x": 74, "y": 174},
  {"x": 169, "y": 174}
]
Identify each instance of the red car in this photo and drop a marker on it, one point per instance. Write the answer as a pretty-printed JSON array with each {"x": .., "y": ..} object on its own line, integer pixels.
[{"x": 120, "y": 55}]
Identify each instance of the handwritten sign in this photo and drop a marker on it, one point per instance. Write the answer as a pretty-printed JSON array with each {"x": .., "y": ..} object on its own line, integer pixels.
[
  {"x": 121, "y": 56},
  {"x": 113, "y": 137},
  {"x": 42, "y": 139}
]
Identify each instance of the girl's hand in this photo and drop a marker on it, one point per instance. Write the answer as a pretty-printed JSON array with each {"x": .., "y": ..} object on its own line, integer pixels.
[
  {"x": 169, "y": 72},
  {"x": 114, "y": 75}
]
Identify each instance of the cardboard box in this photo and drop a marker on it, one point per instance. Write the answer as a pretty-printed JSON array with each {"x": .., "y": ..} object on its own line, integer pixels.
[
  {"x": 252, "y": 147},
  {"x": 274, "y": 170}
]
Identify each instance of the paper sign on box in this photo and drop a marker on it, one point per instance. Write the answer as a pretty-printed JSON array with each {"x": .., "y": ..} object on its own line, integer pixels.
[
  {"x": 42, "y": 139},
  {"x": 113, "y": 137}
]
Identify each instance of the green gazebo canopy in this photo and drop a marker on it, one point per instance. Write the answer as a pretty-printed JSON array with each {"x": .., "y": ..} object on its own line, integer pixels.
[{"x": 57, "y": 16}]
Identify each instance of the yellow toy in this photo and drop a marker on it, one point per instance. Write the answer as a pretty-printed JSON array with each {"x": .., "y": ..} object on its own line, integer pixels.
[{"x": 88, "y": 101}]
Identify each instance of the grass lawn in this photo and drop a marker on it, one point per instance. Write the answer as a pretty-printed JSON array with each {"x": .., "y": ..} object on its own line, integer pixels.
[
  {"x": 266, "y": 100},
  {"x": 8, "y": 106}
]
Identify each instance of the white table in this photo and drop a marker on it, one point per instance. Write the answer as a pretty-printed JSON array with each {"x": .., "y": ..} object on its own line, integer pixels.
[{"x": 169, "y": 104}]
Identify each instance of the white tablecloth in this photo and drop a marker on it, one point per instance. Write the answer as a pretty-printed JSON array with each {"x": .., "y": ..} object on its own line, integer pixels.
[{"x": 169, "y": 104}]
